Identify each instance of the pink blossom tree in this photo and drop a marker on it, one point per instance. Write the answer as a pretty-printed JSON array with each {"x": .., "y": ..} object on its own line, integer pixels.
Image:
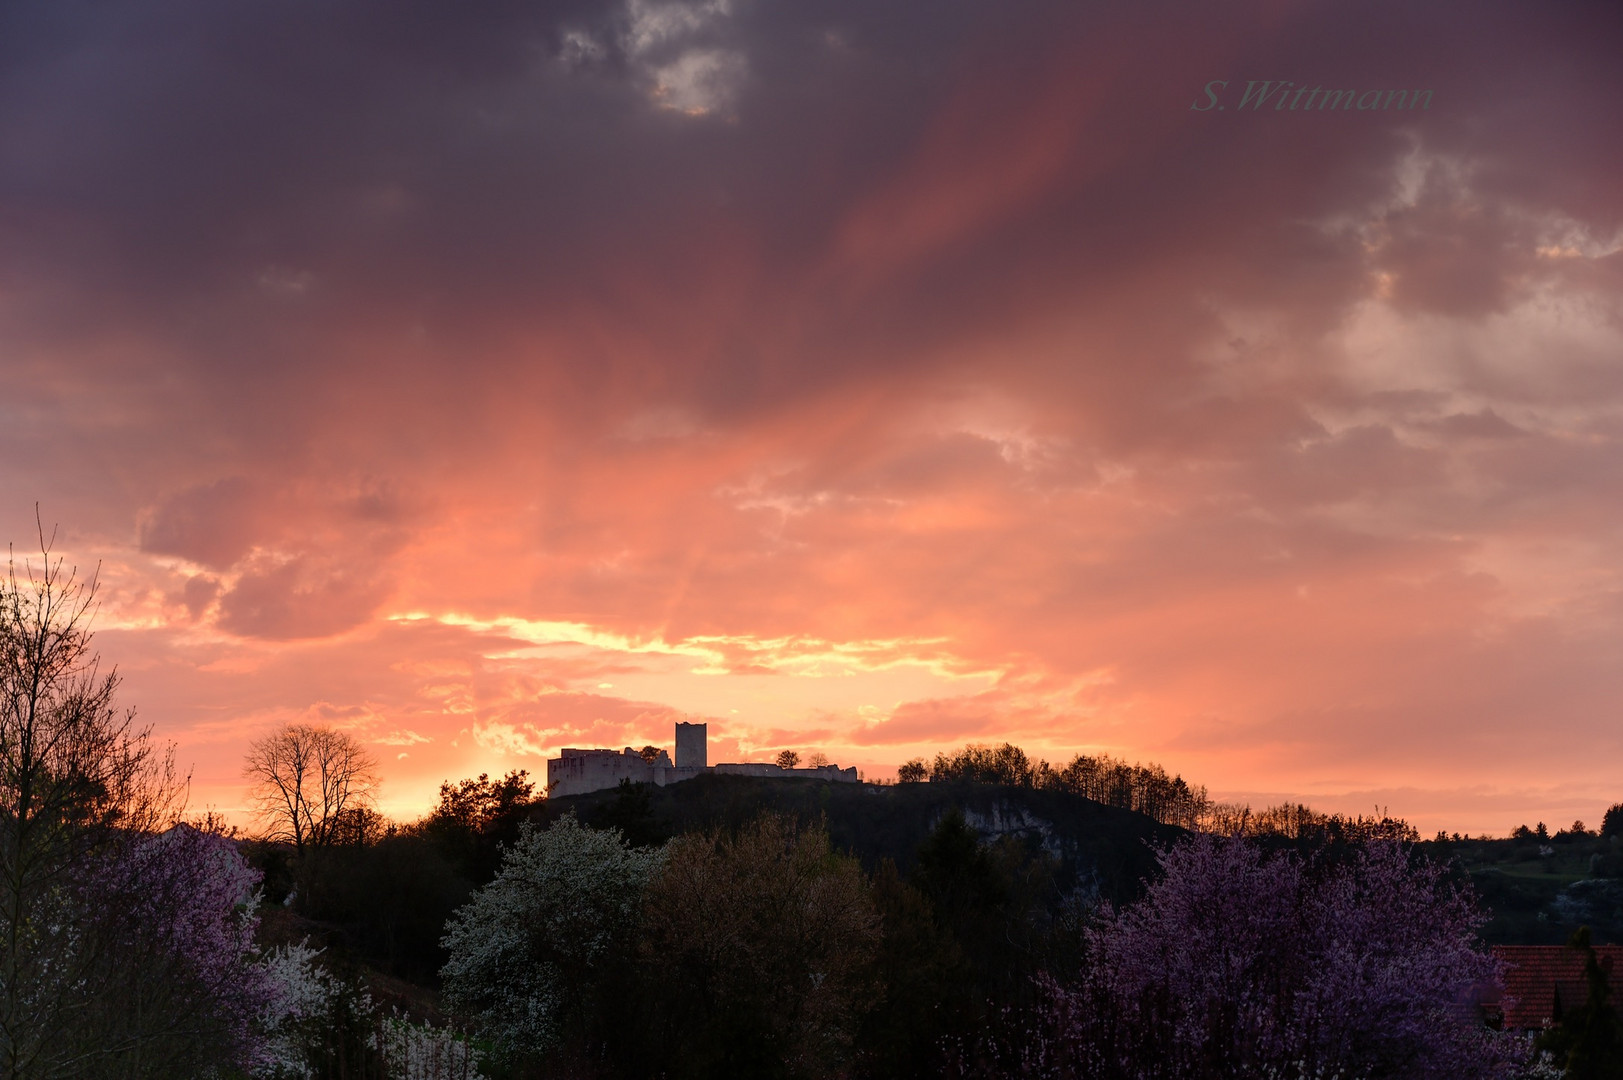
[
  {"x": 172, "y": 917},
  {"x": 1238, "y": 963},
  {"x": 125, "y": 942}
]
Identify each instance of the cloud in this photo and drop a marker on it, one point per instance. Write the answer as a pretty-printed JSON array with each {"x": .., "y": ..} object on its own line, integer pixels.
[
  {"x": 938, "y": 721},
  {"x": 901, "y": 353},
  {"x": 401, "y": 738},
  {"x": 212, "y": 524},
  {"x": 301, "y": 598}
]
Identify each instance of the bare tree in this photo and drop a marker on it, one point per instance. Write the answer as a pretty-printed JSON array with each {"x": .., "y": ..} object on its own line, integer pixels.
[
  {"x": 787, "y": 759},
  {"x": 913, "y": 772},
  {"x": 308, "y": 781},
  {"x": 79, "y": 782}
]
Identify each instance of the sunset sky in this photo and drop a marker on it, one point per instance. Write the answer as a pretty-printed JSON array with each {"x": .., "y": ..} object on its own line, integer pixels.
[{"x": 485, "y": 378}]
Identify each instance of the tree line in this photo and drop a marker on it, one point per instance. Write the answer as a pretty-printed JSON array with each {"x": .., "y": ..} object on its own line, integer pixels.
[
  {"x": 1149, "y": 790},
  {"x": 1145, "y": 789},
  {"x": 760, "y": 951}
]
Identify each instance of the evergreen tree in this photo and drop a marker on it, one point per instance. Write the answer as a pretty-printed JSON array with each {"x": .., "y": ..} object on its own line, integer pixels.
[{"x": 1587, "y": 1041}]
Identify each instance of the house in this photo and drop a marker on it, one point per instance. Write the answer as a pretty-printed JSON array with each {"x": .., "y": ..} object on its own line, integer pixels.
[{"x": 1544, "y": 981}]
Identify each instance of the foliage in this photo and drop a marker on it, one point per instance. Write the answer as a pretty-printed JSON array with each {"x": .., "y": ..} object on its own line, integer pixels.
[
  {"x": 913, "y": 772},
  {"x": 1006, "y": 764},
  {"x": 922, "y": 969},
  {"x": 1237, "y": 963},
  {"x": 968, "y": 932},
  {"x": 787, "y": 759},
  {"x": 475, "y": 818},
  {"x": 632, "y": 812},
  {"x": 1612, "y": 824},
  {"x": 390, "y": 894},
  {"x": 1308, "y": 828},
  {"x": 1587, "y": 1041},
  {"x": 758, "y": 951},
  {"x": 483, "y": 805},
  {"x": 174, "y": 921},
  {"x": 1146, "y": 789},
  {"x": 528, "y": 951},
  {"x": 122, "y": 952},
  {"x": 320, "y": 1024},
  {"x": 310, "y": 783},
  {"x": 423, "y": 1052},
  {"x": 1098, "y": 848},
  {"x": 1541, "y": 893},
  {"x": 297, "y": 1018},
  {"x": 388, "y": 900}
]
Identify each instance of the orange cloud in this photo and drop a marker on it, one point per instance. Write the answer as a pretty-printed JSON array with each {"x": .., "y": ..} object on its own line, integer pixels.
[{"x": 942, "y": 377}]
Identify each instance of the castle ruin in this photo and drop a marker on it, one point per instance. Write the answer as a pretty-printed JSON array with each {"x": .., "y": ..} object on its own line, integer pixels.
[{"x": 576, "y": 772}]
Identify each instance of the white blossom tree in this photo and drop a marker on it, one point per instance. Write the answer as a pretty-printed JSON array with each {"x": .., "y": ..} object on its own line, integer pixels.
[{"x": 528, "y": 950}]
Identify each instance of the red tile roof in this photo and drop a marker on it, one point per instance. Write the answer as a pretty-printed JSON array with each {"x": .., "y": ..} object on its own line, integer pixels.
[{"x": 1543, "y": 981}]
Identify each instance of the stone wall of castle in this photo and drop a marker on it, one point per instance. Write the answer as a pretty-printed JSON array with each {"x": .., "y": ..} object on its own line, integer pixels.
[{"x": 578, "y": 772}]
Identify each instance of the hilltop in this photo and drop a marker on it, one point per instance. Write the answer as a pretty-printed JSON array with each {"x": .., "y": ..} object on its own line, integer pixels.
[{"x": 1100, "y": 849}]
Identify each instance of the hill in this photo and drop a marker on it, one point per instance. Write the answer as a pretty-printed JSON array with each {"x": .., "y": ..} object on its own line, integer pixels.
[
  {"x": 1541, "y": 889},
  {"x": 1099, "y": 849}
]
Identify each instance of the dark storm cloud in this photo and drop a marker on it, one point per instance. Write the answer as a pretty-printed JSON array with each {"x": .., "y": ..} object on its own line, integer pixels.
[{"x": 311, "y": 171}]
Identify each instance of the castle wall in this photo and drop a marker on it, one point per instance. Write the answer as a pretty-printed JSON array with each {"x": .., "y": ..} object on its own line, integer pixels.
[
  {"x": 577, "y": 772},
  {"x": 580, "y": 771}
]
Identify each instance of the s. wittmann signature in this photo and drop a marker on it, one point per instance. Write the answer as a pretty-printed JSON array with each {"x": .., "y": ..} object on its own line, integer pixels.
[{"x": 1286, "y": 96}]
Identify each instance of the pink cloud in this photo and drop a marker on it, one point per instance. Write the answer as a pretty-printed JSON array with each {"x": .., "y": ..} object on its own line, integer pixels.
[{"x": 959, "y": 354}]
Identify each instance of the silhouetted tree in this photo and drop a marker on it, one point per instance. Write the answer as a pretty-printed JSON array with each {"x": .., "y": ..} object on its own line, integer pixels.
[
  {"x": 759, "y": 954},
  {"x": 923, "y": 972},
  {"x": 632, "y": 812},
  {"x": 787, "y": 759},
  {"x": 121, "y": 953},
  {"x": 305, "y": 779},
  {"x": 913, "y": 772},
  {"x": 1006, "y": 764},
  {"x": 483, "y": 804},
  {"x": 956, "y": 872}
]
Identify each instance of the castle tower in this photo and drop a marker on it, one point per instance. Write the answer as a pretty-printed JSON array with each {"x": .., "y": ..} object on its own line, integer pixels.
[{"x": 690, "y": 746}]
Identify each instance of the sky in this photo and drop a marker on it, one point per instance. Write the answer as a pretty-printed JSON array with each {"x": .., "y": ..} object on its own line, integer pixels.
[{"x": 487, "y": 377}]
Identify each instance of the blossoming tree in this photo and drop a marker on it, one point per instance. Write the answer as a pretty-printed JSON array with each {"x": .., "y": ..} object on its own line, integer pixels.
[{"x": 1241, "y": 963}]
